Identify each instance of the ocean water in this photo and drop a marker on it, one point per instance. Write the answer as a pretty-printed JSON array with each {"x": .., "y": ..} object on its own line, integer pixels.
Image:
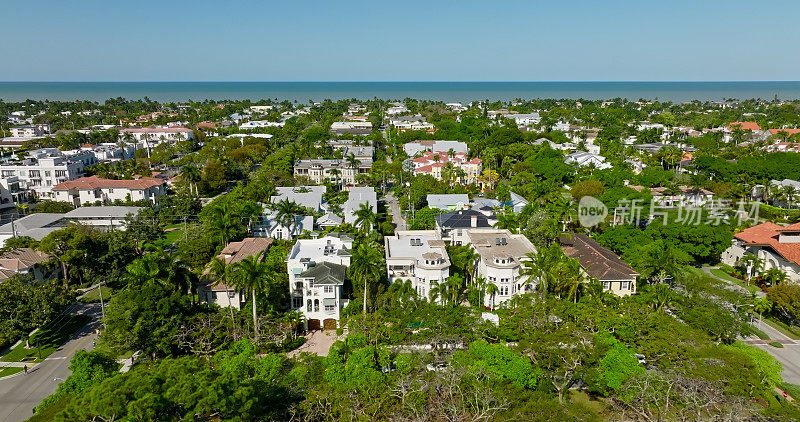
[{"x": 444, "y": 91}]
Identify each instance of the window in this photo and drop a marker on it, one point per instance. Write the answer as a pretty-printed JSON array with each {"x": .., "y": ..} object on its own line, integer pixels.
[
  {"x": 308, "y": 306},
  {"x": 297, "y": 302},
  {"x": 625, "y": 285},
  {"x": 316, "y": 305},
  {"x": 279, "y": 234},
  {"x": 606, "y": 285},
  {"x": 492, "y": 279},
  {"x": 330, "y": 308},
  {"x": 504, "y": 280},
  {"x": 328, "y": 289},
  {"x": 503, "y": 290}
]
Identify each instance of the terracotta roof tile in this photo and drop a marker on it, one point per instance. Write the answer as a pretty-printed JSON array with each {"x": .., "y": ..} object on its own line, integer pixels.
[
  {"x": 95, "y": 182},
  {"x": 767, "y": 234}
]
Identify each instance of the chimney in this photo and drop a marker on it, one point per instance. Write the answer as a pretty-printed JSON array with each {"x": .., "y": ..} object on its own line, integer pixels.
[{"x": 473, "y": 221}]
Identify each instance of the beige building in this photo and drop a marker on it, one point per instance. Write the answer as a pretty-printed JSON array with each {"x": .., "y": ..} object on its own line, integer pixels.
[{"x": 601, "y": 263}]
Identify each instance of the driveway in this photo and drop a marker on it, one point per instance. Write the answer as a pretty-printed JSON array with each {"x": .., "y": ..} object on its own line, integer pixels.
[
  {"x": 20, "y": 393},
  {"x": 317, "y": 342},
  {"x": 397, "y": 215}
]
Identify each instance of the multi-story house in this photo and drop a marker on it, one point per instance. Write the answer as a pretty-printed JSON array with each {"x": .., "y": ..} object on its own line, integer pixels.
[
  {"x": 352, "y": 127},
  {"x": 454, "y": 225},
  {"x": 269, "y": 226},
  {"x": 317, "y": 271},
  {"x": 600, "y": 263},
  {"x": 777, "y": 246},
  {"x": 419, "y": 256},
  {"x": 337, "y": 171},
  {"x": 43, "y": 169},
  {"x": 501, "y": 261},
  {"x": 151, "y": 137},
  {"x": 438, "y": 164},
  {"x": 418, "y": 147},
  {"x": 356, "y": 197},
  {"x": 304, "y": 196},
  {"x": 30, "y": 131},
  {"x": 224, "y": 294},
  {"x": 92, "y": 189},
  {"x": 415, "y": 122}
]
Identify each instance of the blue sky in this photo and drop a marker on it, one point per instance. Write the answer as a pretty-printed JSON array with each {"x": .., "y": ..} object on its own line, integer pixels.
[{"x": 434, "y": 40}]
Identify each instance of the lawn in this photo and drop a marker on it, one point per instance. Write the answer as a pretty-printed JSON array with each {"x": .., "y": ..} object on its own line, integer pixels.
[
  {"x": 49, "y": 339},
  {"x": 11, "y": 370},
  {"x": 93, "y": 296},
  {"x": 782, "y": 329},
  {"x": 172, "y": 236},
  {"x": 725, "y": 276}
]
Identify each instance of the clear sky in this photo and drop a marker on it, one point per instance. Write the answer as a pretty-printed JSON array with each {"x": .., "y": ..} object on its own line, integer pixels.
[{"x": 408, "y": 40}]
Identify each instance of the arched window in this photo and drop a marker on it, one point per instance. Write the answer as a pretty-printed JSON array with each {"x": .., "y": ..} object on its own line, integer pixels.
[
  {"x": 316, "y": 305},
  {"x": 308, "y": 306}
]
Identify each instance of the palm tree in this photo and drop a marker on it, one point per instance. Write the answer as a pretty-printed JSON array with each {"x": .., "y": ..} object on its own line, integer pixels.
[
  {"x": 570, "y": 278},
  {"x": 661, "y": 296},
  {"x": 223, "y": 221},
  {"x": 352, "y": 161},
  {"x": 507, "y": 220},
  {"x": 774, "y": 276},
  {"x": 366, "y": 266},
  {"x": 252, "y": 274},
  {"x": 143, "y": 270},
  {"x": 752, "y": 263},
  {"x": 336, "y": 173},
  {"x": 192, "y": 175},
  {"x": 492, "y": 290},
  {"x": 221, "y": 272},
  {"x": 539, "y": 267},
  {"x": 285, "y": 211},
  {"x": 365, "y": 218}
]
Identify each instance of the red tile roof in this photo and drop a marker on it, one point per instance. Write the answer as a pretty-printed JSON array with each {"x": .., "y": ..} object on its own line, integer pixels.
[
  {"x": 745, "y": 125},
  {"x": 767, "y": 234},
  {"x": 157, "y": 130},
  {"x": 95, "y": 182},
  {"x": 789, "y": 131},
  {"x": 791, "y": 228}
]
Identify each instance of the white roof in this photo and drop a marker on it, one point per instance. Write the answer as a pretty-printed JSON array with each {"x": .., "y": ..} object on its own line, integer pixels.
[
  {"x": 305, "y": 196},
  {"x": 102, "y": 212},
  {"x": 358, "y": 196},
  {"x": 446, "y": 201},
  {"x": 414, "y": 243}
]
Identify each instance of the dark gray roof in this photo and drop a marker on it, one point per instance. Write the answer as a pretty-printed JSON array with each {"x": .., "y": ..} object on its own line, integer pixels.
[
  {"x": 461, "y": 219},
  {"x": 598, "y": 261},
  {"x": 326, "y": 273}
]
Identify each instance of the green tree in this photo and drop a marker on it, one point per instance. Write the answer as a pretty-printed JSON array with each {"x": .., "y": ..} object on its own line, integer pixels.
[
  {"x": 252, "y": 275},
  {"x": 366, "y": 268}
]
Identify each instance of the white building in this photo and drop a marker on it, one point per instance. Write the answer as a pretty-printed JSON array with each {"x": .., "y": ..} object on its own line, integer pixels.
[
  {"x": 501, "y": 257},
  {"x": 102, "y": 218},
  {"x": 415, "y": 122},
  {"x": 30, "y": 131},
  {"x": 525, "y": 119},
  {"x": 36, "y": 226},
  {"x": 454, "y": 225},
  {"x": 397, "y": 109},
  {"x": 352, "y": 127},
  {"x": 260, "y": 124},
  {"x": 777, "y": 246},
  {"x": 356, "y": 197},
  {"x": 304, "y": 196},
  {"x": 317, "y": 272},
  {"x": 43, "y": 169},
  {"x": 225, "y": 295},
  {"x": 447, "y": 201},
  {"x": 419, "y": 256},
  {"x": 418, "y": 147},
  {"x": 437, "y": 164},
  {"x": 92, "y": 189},
  {"x": 268, "y": 226},
  {"x": 151, "y": 137},
  {"x": 584, "y": 159}
]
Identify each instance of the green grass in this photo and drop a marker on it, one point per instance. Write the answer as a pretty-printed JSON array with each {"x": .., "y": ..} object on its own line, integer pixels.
[
  {"x": 49, "y": 340},
  {"x": 788, "y": 333},
  {"x": 93, "y": 296},
  {"x": 11, "y": 370},
  {"x": 49, "y": 412},
  {"x": 776, "y": 344},
  {"x": 172, "y": 236},
  {"x": 758, "y": 333}
]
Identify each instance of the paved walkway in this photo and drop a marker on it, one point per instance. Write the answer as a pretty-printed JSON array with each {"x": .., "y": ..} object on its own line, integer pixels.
[
  {"x": 20, "y": 393},
  {"x": 788, "y": 355}
]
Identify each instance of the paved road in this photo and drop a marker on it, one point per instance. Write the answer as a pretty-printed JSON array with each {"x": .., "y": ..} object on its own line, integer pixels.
[
  {"x": 397, "y": 215},
  {"x": 20, "y": 393},
  {"x": 789, "y": 355}
]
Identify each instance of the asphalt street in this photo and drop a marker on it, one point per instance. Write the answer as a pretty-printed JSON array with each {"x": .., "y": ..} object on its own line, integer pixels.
[{"x": 20, "y": 393}]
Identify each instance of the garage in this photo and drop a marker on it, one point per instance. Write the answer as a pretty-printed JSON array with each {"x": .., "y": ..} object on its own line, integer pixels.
[
  {"x": 313, "y": 324},
  {"x": 329, "y": 324}
]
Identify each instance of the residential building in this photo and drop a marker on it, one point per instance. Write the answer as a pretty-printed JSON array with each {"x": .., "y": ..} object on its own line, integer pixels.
[
  {"x": 453, "y": 225},
  {"x": 36, "y": 226},
  {"x": 412, "y": 149},
  {"x": 525, "y": 119},
  {"x": 356, "y": 197},
  {"x": 584, "y": 159},
  {"x": 268, "y": 226},
  {"x": 447, "y": 201},
  {"x": 260, "y": 124},
  {"x": 30, "y": 131},
  {"x": 419, "y": 256},
  {"x": 225, "y": 294},
  {"x": 462, "y": 169},
  {"x": 501, "y": 262},
  {"x": 329, "y": 220},
  {"x": 337, "y": 171},
  {"x": 352, "y": 127},
  {"x": 304, "y": 196},
  {"x": 777, "y": 246},
  {"x": 102, "y": 218},
  {"x": 396, "y": 110},
  {"x": 600, "y": 263},
  {"x": 88, "y": 190},
  {"x": 42, "y": 169},
  {"x": 317, "y": 272},
  {"x": 410, "y": 122},
  {"x": 683, "y": 196},
  {"x": 153, "y": 136},
  {"x": 26, "y": 261},
  {"x": 364, "y": 154}
]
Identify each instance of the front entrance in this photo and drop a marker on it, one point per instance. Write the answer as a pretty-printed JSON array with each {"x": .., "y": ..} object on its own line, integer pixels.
[
  {"x": 329, "y": 324},
  {"x": 313, "y": 325}
]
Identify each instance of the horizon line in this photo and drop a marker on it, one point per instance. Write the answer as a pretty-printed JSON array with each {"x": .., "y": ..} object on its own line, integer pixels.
[{"x": 421, "y": 81}]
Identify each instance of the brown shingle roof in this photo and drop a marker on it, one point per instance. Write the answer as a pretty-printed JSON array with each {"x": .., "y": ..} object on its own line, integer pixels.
[
  {"x": 95, "y": 182},
  {"x": 22, "y": 258},
  {"x": 598, "y": 262}
]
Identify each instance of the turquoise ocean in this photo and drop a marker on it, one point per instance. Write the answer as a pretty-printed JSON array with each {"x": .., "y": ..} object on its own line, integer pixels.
[{"x": 442, "y": 91}]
